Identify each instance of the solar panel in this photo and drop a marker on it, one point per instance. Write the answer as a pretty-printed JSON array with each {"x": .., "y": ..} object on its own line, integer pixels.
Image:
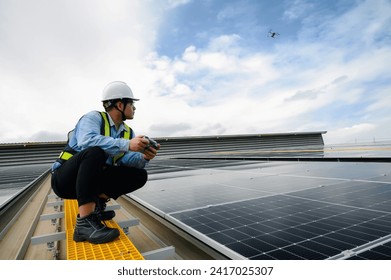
[
  {"x": 278, "y": 210},
  {"x": 315, "y": 226},
  {"x": 14, "y": 178}
]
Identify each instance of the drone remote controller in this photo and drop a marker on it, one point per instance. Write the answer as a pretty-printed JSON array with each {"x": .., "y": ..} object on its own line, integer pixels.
[{"x": 152, "y": 143}]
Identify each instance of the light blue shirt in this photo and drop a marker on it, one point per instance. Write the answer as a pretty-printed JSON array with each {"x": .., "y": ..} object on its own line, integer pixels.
[{"x": 87, "y": 133}]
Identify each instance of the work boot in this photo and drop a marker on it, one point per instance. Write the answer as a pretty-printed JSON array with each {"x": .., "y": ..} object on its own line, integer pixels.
[
  {"x": 90, "y": 228},
  {"x": 100, "y": 210}
]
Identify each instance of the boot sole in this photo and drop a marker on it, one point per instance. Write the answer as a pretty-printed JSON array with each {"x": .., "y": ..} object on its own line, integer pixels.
[{"x": 105, "y": 239}]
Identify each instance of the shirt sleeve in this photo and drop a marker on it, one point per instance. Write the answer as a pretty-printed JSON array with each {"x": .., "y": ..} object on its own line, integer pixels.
[
  {"x": 87, "y": 134},
  {"x": 133, "y": 159}
]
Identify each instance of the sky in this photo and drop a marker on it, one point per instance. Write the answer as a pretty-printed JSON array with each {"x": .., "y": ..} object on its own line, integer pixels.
[{"x": 199, "y": 67}]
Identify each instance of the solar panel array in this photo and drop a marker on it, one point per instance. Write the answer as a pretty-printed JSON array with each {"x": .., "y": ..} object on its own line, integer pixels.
[
  {"x": 15, "y": 178},
  {"x": 276, "y": 210},
  {"x": 258, "y": 196}
]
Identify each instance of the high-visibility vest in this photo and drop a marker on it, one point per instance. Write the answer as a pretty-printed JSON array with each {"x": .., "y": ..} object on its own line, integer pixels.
[{"x": 105, "y": 130}]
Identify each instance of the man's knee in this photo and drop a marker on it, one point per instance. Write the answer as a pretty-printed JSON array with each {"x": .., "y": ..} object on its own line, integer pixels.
[
  {"x": 140, "y": 177},
  {"x": 144, "y": 176}
]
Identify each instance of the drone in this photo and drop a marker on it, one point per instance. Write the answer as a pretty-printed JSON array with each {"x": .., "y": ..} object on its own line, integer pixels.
[{"x": 273, "y": 34}]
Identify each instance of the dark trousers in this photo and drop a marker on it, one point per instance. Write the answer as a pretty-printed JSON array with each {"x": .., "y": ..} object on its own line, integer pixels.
[{"x": 85, "y": 175}]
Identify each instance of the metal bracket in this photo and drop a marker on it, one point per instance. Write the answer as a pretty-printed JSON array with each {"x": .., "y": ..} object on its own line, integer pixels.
[
  {"x": 50, "y": 240},
  {"x": 53, "y": 217},
  {"x": 55, "y": 204},
  {"x": 47, "y": 238},
  {"x": 113, "y": 207},
  {"x": 128, "y": 223}
]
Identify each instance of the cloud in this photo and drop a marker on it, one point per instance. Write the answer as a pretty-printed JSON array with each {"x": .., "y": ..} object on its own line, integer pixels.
[
  {"x": 170, "y": 129},
  {"x": 316, "y": 93},
  {"x": 211, "y": 70},
  {"x": 246, "y": 91},
  {"x": 56, "y": 57},
  {"x": 332, "y": 75},
  {"x": 232, "y": 11},
  {"x": 359, "y": 132},
  {"x": 47, "y": 136},
  {"x": 305, "y": 95},
  {"x": 175, "y": 3},
  {"x": 296, "y": 9}
]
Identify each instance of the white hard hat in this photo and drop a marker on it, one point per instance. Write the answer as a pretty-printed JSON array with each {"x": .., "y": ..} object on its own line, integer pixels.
[{"x": 117, "y": 90}]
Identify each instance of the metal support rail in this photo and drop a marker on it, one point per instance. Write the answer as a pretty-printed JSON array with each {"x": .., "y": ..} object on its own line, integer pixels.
[
  {"x": 11, "y": 210},
  {"x": 358, "y": 250},
  {"x": 303, "y": 159}
]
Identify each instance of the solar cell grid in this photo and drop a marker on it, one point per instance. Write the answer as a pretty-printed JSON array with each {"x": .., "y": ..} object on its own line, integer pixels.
[
  {"x": 334, "y": 220},
  {"x": 300, "y": 232},
  {"x": 203, "y": 228},
  {"x": 243, "y": 249},
  {"x": 250, "y": 231},
  {"x": 280, "y": 211},
  {"x": 283, "y": 255},
  {"x": 337, "y": 244},
  {"x": 313, "y": 228},
  {"x": 320, "y": 248},
  {"x": 373, "y": 255},
  {"x": 305, "y": 253},
  {"x": 261, "y": 227},
  {"x": 383, "y": 206},
  {"x": 357, "y": 234},
  {"x": 383, "y": 178},
  {"x": 374, "y": 232},
  {"x": 221, "y": 238},
  {"x": 348, "y": 239},
  {"x": 281, "y": 231},
  {"x": 258, "y": 243},
  {"x": 14, "y": 179},
  {"x": 384, "y": 250},
  {"x": 374, "y": 224},
  {"x": 219, "y": 226},
  {"x": 379, "y": 253},
  {"x": 354, "y": 171},
  {"x": 263, "y": 257},
  {"x": 292, "y": 238}
]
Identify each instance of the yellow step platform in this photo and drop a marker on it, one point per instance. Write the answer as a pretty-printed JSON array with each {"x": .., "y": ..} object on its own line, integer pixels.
[{"x": 120, "y": 249}]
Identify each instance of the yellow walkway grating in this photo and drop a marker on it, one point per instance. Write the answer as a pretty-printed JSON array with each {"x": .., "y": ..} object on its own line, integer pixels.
[{"x": 120, "y": 249}]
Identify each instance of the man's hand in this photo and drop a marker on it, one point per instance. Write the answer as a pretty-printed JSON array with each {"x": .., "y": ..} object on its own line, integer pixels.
[
  {"x": 150, "y": 153},
  {"x": 151, "y": 150},
  {"x": 138, "y": 144}
]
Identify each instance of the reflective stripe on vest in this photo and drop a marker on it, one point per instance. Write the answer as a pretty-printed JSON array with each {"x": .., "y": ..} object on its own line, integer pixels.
[
  {"x": 105, "y": 128},
  {"x": 105, "y": 131},
  {"x": 65, "y": 155}
]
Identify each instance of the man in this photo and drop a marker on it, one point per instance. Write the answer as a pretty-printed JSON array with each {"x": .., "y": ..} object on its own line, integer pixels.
[{"x": 103, "y": 159}]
